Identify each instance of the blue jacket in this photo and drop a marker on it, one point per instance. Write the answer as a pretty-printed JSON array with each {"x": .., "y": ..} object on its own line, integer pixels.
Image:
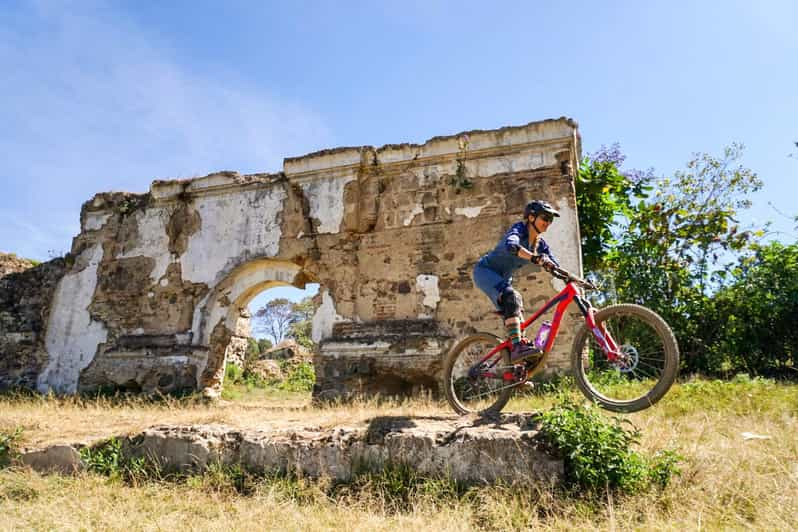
[{"x": 504, "y": 259}]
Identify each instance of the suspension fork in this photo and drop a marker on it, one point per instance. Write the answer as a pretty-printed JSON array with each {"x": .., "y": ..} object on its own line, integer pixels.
[{"x": 599, "y": 331}]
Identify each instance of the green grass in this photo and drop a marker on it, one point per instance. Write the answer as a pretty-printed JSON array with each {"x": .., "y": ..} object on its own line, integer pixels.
[{"x": 242, "y": 385}]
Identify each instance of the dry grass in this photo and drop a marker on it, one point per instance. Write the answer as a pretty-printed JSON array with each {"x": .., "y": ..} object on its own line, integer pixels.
[
  {"x": 48, "y": 420},
  {"x": 728, "y": 482}
]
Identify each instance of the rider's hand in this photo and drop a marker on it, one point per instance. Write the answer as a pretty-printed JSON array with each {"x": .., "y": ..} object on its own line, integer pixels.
[{"x": 543, "y": 262}]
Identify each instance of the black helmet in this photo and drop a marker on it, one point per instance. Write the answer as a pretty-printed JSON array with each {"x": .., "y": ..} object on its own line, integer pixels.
[{"x": 536, "y": 207}]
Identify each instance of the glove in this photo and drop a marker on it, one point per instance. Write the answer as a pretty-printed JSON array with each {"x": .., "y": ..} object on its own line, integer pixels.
[
  {"x": 543, "y": 262},
  {"x": 547, "y": 265}
]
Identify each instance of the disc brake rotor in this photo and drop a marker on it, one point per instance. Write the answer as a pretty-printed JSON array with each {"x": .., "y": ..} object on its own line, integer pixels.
[{"x": 629, "y": 359}]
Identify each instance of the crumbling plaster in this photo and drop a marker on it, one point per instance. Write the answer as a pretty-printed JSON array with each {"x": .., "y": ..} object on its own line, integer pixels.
[
  {"x": 391, "y": 234},
  {"x": 234, "y": 225},
  {"x": 72, "y": 334},
  {"x": 325, "y": 318}
]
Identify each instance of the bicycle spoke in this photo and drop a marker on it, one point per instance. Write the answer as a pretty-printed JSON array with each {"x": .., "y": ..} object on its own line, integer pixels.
[
  {"x": 656, "y": 369},
  {"x": 652, "y": 353},
  {"x": 637, "y": 371}
]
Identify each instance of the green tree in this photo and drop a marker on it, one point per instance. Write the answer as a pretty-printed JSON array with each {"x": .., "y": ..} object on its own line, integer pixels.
[
  {"x": 274, "y": 319},
  {"x": 281, "y": 318},
  {"x": 604, "y": 194},
  {"x": 678, "y": 246},
  {"x": 264, "y": 344},
  {"x": 302, "y": 323},
  {"x": 253, "y": 349},
  {"x": 757, "y": 314}
]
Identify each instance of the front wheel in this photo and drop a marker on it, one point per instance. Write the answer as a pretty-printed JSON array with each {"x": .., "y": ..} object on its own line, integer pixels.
[
  {"x": 645, "y": 366},
  {"x": 471, "y": 388}
]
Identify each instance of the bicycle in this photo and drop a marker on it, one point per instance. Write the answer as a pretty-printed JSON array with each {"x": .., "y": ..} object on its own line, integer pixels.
[{"x": 624, "y": 358}]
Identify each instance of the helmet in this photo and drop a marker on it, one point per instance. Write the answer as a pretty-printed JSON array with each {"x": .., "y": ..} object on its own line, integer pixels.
[{"x": 536, "y": 207}]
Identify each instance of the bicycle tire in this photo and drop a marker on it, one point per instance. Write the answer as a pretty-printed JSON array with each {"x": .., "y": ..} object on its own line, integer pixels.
[
  {"x": 458, "y": 351},
  {"x": 670, "y": 358}
]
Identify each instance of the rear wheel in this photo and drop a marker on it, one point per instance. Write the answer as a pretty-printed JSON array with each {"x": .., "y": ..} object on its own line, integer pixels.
[
  {"x": 644, "y": 371},
  {"x": 480, "y": 390}
]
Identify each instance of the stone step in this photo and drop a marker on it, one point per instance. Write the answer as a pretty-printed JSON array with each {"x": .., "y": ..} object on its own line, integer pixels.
[{"x": 475, "y": 450}]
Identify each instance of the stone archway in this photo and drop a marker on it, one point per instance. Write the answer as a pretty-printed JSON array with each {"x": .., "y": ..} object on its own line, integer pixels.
[
  {"x": 150, "y": 289},
  {"x": 217, "y": 318}
]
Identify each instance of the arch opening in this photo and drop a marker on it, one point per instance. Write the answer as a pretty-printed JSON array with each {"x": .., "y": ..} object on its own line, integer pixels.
[
  {"x": 272, "y": 349},
  {"x": 222, "y": 322}
]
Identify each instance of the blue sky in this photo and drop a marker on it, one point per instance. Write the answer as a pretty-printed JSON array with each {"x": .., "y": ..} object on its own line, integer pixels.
[{"x": 98, "y": 96}]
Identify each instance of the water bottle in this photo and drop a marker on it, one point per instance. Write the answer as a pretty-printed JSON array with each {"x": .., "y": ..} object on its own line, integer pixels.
[{"x": 543, "y": 335}]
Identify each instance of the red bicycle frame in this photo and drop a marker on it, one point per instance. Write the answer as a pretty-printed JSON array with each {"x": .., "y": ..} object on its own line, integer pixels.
[{"x": 562, "y": 300}]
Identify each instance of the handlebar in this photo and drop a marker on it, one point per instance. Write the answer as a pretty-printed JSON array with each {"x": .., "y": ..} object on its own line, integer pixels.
[{"x": 568, "y": 277}]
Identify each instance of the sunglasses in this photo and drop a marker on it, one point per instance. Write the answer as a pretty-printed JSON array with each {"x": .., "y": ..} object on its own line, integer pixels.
[{"x": 547, "y": 217}]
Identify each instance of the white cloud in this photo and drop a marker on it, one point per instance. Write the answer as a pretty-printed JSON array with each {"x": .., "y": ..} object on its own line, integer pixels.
[{"x": 91, "y": 103}]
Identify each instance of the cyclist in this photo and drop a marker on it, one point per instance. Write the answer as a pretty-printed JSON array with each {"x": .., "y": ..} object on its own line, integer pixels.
[{"x": 493, "y": 272}]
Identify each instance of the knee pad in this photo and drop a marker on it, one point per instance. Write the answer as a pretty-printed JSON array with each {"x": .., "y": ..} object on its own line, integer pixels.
[{"x": 511, "y": 303}]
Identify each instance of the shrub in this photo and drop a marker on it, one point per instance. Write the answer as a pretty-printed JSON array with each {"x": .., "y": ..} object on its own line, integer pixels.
[
  {"x": 756, "y": 315},
  {"x": 598, "y": 452},
  {"x": 233, "y": 373},
  {"x": 301, "y": 376},
  {"x": 107, "y": 458}
]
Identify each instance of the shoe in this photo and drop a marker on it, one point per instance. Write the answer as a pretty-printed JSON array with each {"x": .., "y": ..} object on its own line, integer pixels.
[{"x": 523, "y": 350}]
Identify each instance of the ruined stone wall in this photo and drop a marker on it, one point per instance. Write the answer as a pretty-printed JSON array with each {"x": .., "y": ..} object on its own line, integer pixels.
[
  {"x": 153, "y": 293},
  {"x": 25, "y": 295}
]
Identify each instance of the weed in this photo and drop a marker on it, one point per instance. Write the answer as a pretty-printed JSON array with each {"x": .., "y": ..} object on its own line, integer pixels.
[
  {"x": 291, "y": 489},
  {"x": 18, "y": 492},
  {"x": 398, "y": 487},
  {"x": 300, "y": 378},
  {"x": 233, "y": 373},
  {"x": 460, "y": 178},
  {"x": 553, "y": 385},
  {"x": 8, "y": 441},
  {"x": 108, "y": 459},
  {"x": 225, "y": 479},
  {"x": 663, "y": 465}
]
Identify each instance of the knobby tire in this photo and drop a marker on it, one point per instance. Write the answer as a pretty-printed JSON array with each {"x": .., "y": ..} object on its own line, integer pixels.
[
  {"x": 462, "y": 350},
  {"x": 670, "y": 358}
]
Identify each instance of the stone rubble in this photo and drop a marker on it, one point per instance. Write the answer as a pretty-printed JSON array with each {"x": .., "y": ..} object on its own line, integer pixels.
[{"x": 506, "y": 448}]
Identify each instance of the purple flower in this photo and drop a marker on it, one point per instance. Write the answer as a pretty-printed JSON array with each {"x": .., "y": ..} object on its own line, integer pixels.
[
  {"x": 612, "y": 154},
  {"x": 639, "y": 176}
]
